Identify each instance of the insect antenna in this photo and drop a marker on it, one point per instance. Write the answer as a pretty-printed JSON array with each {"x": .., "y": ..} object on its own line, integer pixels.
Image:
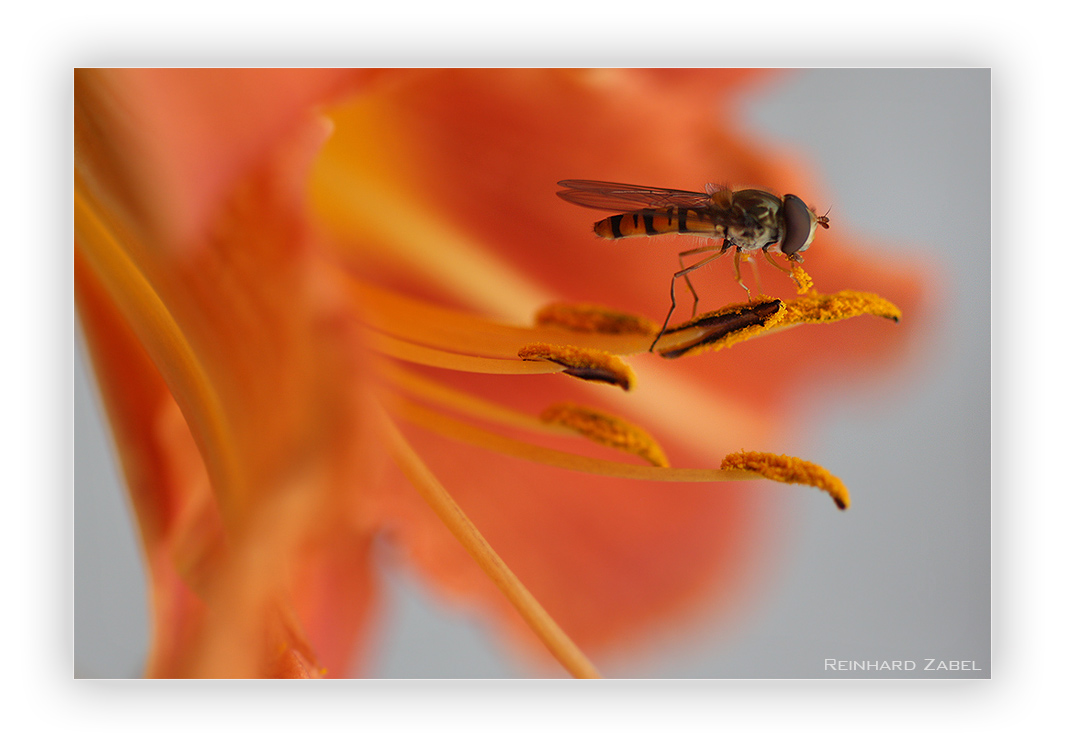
[{"x": 822, "y": 220}]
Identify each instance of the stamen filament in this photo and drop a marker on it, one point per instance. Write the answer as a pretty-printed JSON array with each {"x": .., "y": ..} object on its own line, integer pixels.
[
  {"x": 415, "y": 353},
  {"x": 541, "y": 623},
  {"x": 465, "y": 403},
  {"x": 432, "y": 325},
  {"x": 460, "y": 431}
]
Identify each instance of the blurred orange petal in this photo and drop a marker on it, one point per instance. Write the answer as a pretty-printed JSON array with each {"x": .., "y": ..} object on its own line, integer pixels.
[{"x": 270, "y": 414}]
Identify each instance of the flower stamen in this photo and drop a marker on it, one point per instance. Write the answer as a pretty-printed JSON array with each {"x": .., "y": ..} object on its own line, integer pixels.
[
  {"x": 590, "y": 318},
  {"x": 427, "y": 356},
  {"x": 464, "y": 403},
  {"x": 608, "y": 430},
  {"x": 788, "y": 469},
  {"x": 458, "y": 430},
  {"x": 433, "y": 325},
  {"x": 834, "y": 307},
  {"x": 583, "y": 363},
  {"x": 721, "y": 328},
  {"x": 732, "y": 324},
  {"x": 453, "y": 517}
]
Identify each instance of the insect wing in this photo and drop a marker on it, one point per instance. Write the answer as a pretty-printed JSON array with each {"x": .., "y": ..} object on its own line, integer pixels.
[{"x": 617, "y": 196}]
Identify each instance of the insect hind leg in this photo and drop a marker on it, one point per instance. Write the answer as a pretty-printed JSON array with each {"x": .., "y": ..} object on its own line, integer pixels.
[
  {"x": 698, "y": 250},
  {"x": 683, "y": 273}
]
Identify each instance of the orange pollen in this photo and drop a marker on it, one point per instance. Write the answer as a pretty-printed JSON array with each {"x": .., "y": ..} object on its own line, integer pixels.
[
  {"x": 608, "y": 430},
  {"x": 591, "y": 318},
  {"x": 821, "y": 309},
  {"x": 583, "y": 363},
  {"x": 803, "y": 282},
  {"x": 723, "y": 328},
  {"x": 788, "y": 469}
]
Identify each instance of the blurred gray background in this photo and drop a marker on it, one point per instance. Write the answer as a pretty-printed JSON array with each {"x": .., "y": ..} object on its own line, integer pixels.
[{"x": 906, "y": 155}]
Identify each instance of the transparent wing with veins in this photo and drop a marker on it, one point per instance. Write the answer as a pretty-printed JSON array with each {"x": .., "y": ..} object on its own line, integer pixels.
[{"x": 617, "y": 196}]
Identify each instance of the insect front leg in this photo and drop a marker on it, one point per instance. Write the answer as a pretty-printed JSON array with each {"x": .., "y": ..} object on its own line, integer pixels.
[
  {"x": 757, "y": 275},
  {"x": 673, "y": 287},
  {"x": 768, "y": 256},
  {"x": 736, "y": 262}
]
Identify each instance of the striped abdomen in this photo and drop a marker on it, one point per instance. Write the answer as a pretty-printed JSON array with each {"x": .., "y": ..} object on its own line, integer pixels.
[{"x": 654, "y": 222}]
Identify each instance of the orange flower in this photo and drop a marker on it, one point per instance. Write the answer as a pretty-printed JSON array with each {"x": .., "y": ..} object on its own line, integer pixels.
[{"x": 266, "y": 360}]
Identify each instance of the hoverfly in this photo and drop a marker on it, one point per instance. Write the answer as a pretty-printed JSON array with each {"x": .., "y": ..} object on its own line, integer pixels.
[{"x": 747, "y": 219}]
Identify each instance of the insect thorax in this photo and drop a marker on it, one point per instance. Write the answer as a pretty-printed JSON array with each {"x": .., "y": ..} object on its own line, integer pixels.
[
  {"x": 754, "y": 237},
  {"x": 760, "y": 224}
]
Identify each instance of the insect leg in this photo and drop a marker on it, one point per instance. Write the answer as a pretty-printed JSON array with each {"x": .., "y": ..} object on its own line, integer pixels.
[
  {"x": 673, "y": 290},
  {"x": 773, "y": 262},
  {"x": 756, "y": 273},
  {"x": 697, "y": 250},
  {"x": 736, "y": 262}
]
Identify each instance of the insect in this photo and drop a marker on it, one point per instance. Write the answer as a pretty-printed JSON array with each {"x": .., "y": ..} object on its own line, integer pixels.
[{"x": 746, "y": 219}]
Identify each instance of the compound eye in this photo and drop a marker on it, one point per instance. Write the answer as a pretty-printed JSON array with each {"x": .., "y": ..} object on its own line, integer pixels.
[{"x": 798, "y": 226}]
